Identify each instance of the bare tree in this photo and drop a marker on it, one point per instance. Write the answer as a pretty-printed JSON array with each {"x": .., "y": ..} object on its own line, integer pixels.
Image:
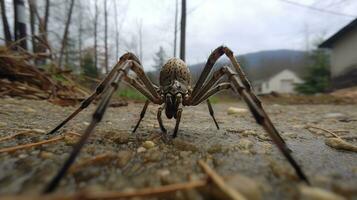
[
  {"x": 5, "y": 23},
  {"x": 47, "y": 15},
  {"x": 65, "y": 34},
  {"x": 20, "y": 22},
  {"x": 175, "y": 31},
  {"x": 32, "y": 7},
  {"x": 96, "y": 14},
  {"x": 80, "y": 32},
  {"x": 183, "y": 30},
  {"x": 140, "y": 37},
  {"x": 106, "y": 36},
  {"x": 116, "y": 30},
  {"x": 39, "y": 42}
]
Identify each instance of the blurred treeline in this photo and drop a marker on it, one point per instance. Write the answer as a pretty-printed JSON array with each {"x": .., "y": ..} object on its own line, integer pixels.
[
  {"x": 69, "y": 35},
  {"x": 73, "y": 36}
]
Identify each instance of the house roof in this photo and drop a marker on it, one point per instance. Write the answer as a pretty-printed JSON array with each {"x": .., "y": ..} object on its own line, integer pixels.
[
  {"x": 341, "y": 33},
  {"x": 272, "y": 75}
]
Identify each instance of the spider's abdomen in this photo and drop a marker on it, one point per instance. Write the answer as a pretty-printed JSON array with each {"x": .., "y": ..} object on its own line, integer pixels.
[{"x": 175, "y": 69}]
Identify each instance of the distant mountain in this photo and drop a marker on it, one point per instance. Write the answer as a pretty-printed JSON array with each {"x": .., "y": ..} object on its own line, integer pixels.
[{"x": 263, "y": 64}]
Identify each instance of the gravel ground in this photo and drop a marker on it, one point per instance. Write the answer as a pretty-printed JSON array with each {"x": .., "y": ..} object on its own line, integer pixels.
[{"x": 239, "y": 149}]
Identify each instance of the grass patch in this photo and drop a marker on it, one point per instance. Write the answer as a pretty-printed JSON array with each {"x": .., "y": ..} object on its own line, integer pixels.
[
  {"x": 130, "y": 94},
  {"x": 214, "y": 99},
  {"x": 59, "y": 77}
]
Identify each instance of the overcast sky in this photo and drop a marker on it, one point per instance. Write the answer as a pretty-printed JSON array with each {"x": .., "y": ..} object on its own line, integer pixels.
[{"x": 245, "y": 26}]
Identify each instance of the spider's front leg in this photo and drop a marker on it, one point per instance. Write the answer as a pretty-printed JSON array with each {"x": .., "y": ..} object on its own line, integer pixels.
[
  {"x": 98, "y": 91},
  {"x": 159, "y": 119},
  {"x": 239, "y": 82},
  {"x": 110, "y": 83},
  {"x": 96, "y": 118}
]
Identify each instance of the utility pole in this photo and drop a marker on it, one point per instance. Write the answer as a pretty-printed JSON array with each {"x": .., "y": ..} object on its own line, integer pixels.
[
  {"x": 106, "y": 36},
  {"x": 96, "y": 36},
  {"x": 116, "y": 30},
  {"x": 175, "y": 32},
  {"x": 140, "y": 39},
  {"x": 183, "y": 30},
  {"x": 20, "y": 22}
]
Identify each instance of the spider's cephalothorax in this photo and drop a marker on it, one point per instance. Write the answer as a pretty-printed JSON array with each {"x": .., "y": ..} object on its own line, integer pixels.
[
  {"x": 175, "y": 83},
  {"x": 174, "y": 92}
]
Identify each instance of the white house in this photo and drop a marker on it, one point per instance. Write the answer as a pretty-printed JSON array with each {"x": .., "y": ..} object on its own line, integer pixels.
[
  {"x": 282, "y": 82},
  {"x": 343, "y": 45}
]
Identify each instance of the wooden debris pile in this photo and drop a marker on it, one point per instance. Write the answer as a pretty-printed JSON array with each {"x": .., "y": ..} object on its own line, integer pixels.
[{"x": 18, "y": 77}]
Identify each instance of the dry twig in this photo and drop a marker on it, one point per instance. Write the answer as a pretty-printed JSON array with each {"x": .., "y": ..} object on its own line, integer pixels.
[
  {"x": 23, "y": 132},
  {"x": 26, "y": 146},
  {"x": 322, "y": 129}
]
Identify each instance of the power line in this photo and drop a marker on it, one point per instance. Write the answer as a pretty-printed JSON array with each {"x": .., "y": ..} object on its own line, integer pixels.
[{"x": 318, "y": 9}]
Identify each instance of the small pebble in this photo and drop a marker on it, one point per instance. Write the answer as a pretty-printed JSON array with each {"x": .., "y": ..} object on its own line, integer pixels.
[
  {"x": 234, "y": 111},
  {"x": 141, "y": 149},
  {"x": 314, "y": 193},
  {"x": 148, "y": 144},
  {"x": 46, "y": 155},
  {"x": 334, "y": 115},
  {"x": 163, "y": 172},
  {"x": 22, "y": 156}
]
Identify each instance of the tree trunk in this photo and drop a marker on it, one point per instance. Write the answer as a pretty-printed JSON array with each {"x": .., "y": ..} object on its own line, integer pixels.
[
  {"x": 96, "y": 36},
  {"x": 20, "y": 23},
  {"x": 5, "y": 23},
  {"x": 32, "y": 4},
  {"x": 65, "y": 34},
  {"x": 183, "y": 30},
  {"x": 106, "y": 36},
  {"x": 116, "y": 30},
  {"x": 175, "y": 32},
  {"x": 47, "y": 15},
  {"x": 140, "y": 40},
  {"x": 80, "y": 30},
  {"x": 40, "y": 43}
]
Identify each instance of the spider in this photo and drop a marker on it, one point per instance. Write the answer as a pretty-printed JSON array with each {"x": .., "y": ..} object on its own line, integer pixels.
[{"x": 173, "y": 93}]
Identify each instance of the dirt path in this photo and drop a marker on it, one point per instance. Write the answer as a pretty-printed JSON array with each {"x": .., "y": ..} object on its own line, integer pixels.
[{"x": 239, "y": 147}]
